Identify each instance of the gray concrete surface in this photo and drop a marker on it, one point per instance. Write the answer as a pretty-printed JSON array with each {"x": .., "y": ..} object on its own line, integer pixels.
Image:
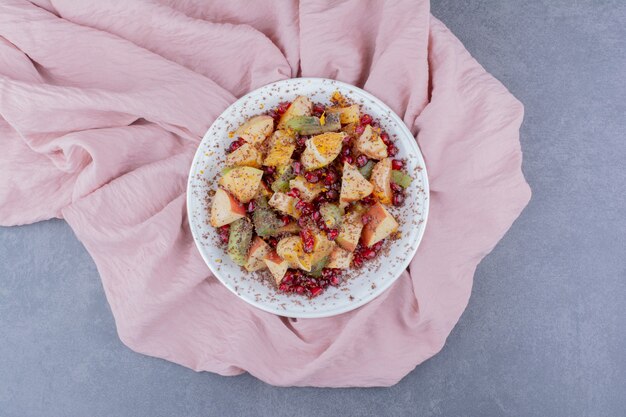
[{"x": 544, "y": 333}]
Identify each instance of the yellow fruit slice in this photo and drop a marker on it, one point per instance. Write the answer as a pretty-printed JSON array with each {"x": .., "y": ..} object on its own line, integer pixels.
[
  {"x": 292, "y": 251},
  {"x": 321, "y": 150}
]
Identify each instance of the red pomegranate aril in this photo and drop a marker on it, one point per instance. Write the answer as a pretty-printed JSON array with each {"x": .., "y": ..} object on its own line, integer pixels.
[
  {"x": 369, "y": 253},
  {"x": 359, "y": 129},
  {"x": 347, "y": 159},
  {"x": 236, "y": 144},
  {"x": 369, "y": 200},
  {"x": 269, "y": 170},
  {"x": 335, "y": 280},
  {"x": 274, "y": 115},
  {"x": 361, "y": 161},
  {"x": 297, "y": 168},
  {"x": 294, "y": 192},
  {"x": 398, "y": 199},
  {"x": 345, "y": 150},
  {"x": 378, "y": 245},
  {"x": 316, "y": 215},
  {"x": 385, "y": 138},
  {"x": 330, "y": 178},
  {"x": 318, "y": 109},
  {"x": 396, "y": 188},
  {"x": 392, "y": 150},
  {"x": 301, "y": 141},
  {"x": 315, "y": 291},
  {"x": 332, "y": 234},
  {"x": 365, "y": 219},
  {"x": 347, "y": 139},
  {"x": 286, "y": 220},
  {"x": 283, "y": 287},
  {"x": 366, "y": 119},
  {"x": 282, "y": 107},
  {"x": 251, "y": 206},
  {"x": 288, "y": 277},
  {"x": 308, "y": 240},
  {"x": 311, "y": 177},
  {"x": 397, "y": 164},
  {"x": 300, "y": 289},
  {"x": 357, "y": 261},
  {"x": 332, "y": 195},
  {"x": 272, "y": 241}
]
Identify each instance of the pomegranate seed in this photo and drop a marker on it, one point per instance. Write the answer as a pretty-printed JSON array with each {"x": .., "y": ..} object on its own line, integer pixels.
[
  {"x": 251, "y": 206},
  {"x": 392, "y": 150},
  {"x": 269, "y": 170},
  {"x": 315, "y": 291},
  {"x": 311, "y": 177},
  {"x": 282, "y": 107},
  {"x": 302, "y": 222},
  {"x": 236, "y": 144},
  {"x": 332, "y": 234},
  {"x": 335, "y": 280},
  {"x": 288, "y": 277},
  {"x": 361, "y": 161},
  {"x": 347, "y": 159},
  {"x": 316, "y": 215},
  {"x": 369, "y": 200},
  {"x": 374, "y": 124},
  {"x": 300, "y": 289},
  {"x": 397, "y": 164},
  {"x": 385, "y": 138},
  {"x": 377, "y": 246},
  {"x": 301, "y": 141},
  {"x": 274, "y": 115},
  {"x": 294, "y": 192},
  {"x": 357, "y": 261},
  {"x": 369, "y": 253},
  {"x": 331, "y": 178},
  {"x": 336, "y": 186},
  {"x": 365, "y": 219},
  {"x": 272, "y": 241},
  {"x": 332, "y": 195},
  {"x": 286, "y": 220},
  {"x": 396, "y": 188},
  {"x": 359, "y": 130},
  {"x": 283, "y": 287},
  {"x": 308, "y": 240},
  {"x": 366, "y": 119},
  {"x": 304, "y": 207},
  {"x": 398, "y": 199},
  {"x": 347, "y": 139},
  {"x": 318, "y": 109},
  {"x": 297, "y": 168},
  {"x": 345, "y": 150}
]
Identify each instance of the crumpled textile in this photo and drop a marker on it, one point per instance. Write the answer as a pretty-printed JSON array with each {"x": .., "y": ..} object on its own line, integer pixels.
[{"x": 102, "y": 105}]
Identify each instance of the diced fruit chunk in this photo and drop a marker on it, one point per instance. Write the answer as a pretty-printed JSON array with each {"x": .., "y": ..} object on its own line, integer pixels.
[
  {"x": 277, "y": 266},
  {"x": 291, "y": 249},
  {"x": 340, "y": 258},
  {"x": 366, "y": 170},
  {"x": 301, "y": 106},
  {"x": 266, "y": 222},
  {"x": 245, "y": 155},
  {"x": 370, "y": 144},
  {"x": 308, "y": 191},
  {"x": 347, "y": 115},
  {"x": 281, "y": 146},
  {"x": 239, "y": 241},
  {"x": 225, "y": 209},
  {"x": 285, "y": 203},
  {"x": 381, "y": 179},
  {"x": 242, "y": 182},
  {"x": 321, "y": 150},
  {"x": 331, "y": 214},
  {"x": 284, "y": 175},
  {"x": 322, "y": 247},
  {"x": 380, "y": 225},
  {"x": 256, "y": 130},
  {"x": 311, "y": 125},
  {"x": 400, "y": 178},
  {"x": 353, "y": 185},
  {"x": 350, "y": 231},
  {"x": 258, "y": 251}
]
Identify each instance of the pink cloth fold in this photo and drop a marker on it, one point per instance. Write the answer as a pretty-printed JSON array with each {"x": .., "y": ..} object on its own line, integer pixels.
[{"x": 102, "y": 105}]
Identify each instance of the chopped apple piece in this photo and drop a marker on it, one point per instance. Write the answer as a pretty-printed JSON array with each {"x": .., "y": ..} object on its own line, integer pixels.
[
  {"x": 321, "y": 150},
  {"x": 246, "y": 155},
  {"x": 380, "y": 225},
  {"x": 291, "y": 249},
  {"x": 277, "y": 266},
  {"x": 350, "y": 231},
  {"x": 285, "y": 203},
  {"x": 225, "y": 209},
  {"x": 322, "y": 247},
  {"x": 258, "y": 251},
  {"x": 301, "y": 106},
  {"x": 308, "y": 191},
  {"x": 242, "y": 182},
  {"x": 353, "y": 185},
  {"x": 340, "y": 258},
  {"x": 381, "y": 179},
  {"x": 281, "y": 146},
  {"x": 347, "y": 115},
  {"x": 256, "y": 130},
  {"x": 370, "y": 144}
]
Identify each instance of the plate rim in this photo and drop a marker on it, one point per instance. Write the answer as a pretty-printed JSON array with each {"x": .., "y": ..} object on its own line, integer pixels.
[{"x": 405, "y": 263}]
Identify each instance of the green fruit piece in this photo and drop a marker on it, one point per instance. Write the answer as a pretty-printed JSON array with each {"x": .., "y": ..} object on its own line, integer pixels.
[
  {"x": 284, "y": 175},
  {"x": 311, "y": 125},
  {"x": 239, "y": 240},
  {"x": 266, "y": 222},
  {"x": 400, "y": 178},
  {"x": 366, "y": 170},
  {"x": 316, "y": 268},
  {"x": 331, "y": 214}
]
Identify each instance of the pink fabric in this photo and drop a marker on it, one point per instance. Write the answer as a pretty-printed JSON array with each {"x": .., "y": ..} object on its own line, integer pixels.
[{"x": 102, "y": 105}]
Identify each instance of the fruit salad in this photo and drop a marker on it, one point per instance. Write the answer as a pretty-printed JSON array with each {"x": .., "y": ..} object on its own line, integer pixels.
[{"x": 306, "y": 193}]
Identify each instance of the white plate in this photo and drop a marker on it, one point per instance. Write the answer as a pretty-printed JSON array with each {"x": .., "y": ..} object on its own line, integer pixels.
[{"x": 257, "y": 288}]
